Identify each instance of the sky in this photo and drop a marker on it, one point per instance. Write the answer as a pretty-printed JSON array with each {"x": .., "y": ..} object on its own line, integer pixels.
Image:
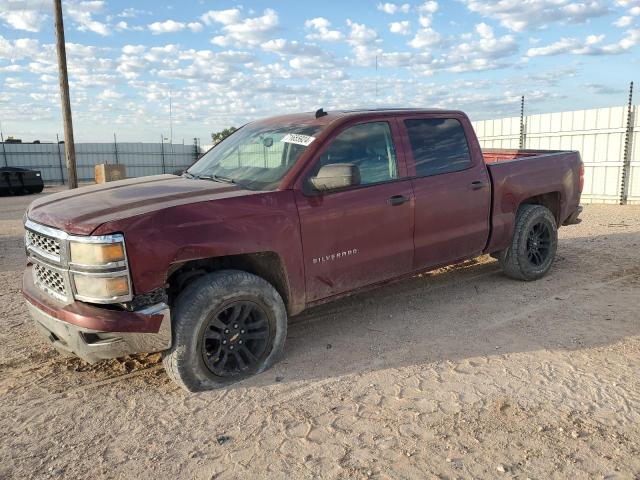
[{"x": 216, "y": 64}]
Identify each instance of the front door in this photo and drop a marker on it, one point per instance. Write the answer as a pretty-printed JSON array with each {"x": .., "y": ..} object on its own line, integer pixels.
[{"x": 364, "y": 234}]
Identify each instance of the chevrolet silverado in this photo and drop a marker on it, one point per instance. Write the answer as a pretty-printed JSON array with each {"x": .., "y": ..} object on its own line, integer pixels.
[{"x": 284, "y": 214}]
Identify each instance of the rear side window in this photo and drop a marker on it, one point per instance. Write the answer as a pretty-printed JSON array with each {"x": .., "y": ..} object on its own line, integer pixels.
[{"x": 439, "y": 145}]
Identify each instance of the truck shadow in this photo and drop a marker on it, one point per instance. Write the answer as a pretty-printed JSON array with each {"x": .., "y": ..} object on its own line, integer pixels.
[{"x": 471, "y": 310}]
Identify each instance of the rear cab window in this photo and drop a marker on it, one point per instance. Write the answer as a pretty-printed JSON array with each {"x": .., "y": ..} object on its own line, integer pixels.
[{"x": 438, "y": 145}]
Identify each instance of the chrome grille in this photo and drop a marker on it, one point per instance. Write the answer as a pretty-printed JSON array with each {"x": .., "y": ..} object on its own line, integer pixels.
[
  {"x": 44, "y": 244},
  {"x": 50, "y": 279}
]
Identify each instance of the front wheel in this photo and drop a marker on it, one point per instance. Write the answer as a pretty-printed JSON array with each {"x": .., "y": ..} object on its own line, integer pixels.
[
  {"x": 533, "y": 246},
  {"x": 227, "y": 326}
]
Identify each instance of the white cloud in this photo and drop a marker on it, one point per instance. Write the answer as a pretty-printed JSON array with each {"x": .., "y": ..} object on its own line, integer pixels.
[
  {"x": 250, "y": 31},
  {"x": 168, "y": 26},
  {"x": 27, "y": 15},
  {"x": 195, "y": 27},
  {"x": 360, "y": 34},
  {"x": 27, "y": 20},
  {"x": 392, "y": 8},
  {"x": 18, "y": 49},
  {"x": 591, "y": 45},
  {"x": 130, "y": 13},
  {"x": 363, "y": 41},
  {"x": 623, "y": 21},
  {"x": 225, "y": 17},
  {"x": 133, "y": 49},
  {"x": 485, "y": 52},
  {"x": 563, "y": 45},
  {"x": 15, "y": 68},
  {"x": 82, "y": 13},
  {"x": 627, "y": 20},
  {"x": 426, "y": 36},
  {"x": 401, "y": 28},
  {"x": 16, "y": 83},
  {"x": 321, "y": 31},
  {"x": 429, "y": 7},
  {"x": 109, "y": 94},
  {"x": 518, "y": 15},
  {"x": 131, "y": 64},
  {"x": 123, "y": 26}
]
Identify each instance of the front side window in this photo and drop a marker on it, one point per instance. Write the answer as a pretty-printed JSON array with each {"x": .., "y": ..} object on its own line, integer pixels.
[
  {"x": 439, "y": 145},
  {"x": 368, "y": 146},
  {"x": 257, "y": 156}
]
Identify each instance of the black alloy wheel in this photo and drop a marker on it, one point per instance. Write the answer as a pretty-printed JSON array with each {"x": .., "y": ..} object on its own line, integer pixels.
[
  {"x": 538, "y": 243},
  {"x": 235, "y": 339}
]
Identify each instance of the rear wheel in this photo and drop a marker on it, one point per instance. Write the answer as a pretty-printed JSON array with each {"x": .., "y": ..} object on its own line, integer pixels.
[
  {"x": 533, "y": 246},
  {"x": 227, "y": 326}
]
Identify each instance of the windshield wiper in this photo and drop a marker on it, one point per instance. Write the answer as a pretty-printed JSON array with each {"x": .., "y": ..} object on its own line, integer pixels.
[
  {"x": 220, "y": 178},
  {"x": 216, "y": 178}
]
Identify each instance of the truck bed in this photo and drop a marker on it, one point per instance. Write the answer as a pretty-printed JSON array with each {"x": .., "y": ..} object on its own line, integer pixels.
[
  {"x": 551, "y": 177},
  {"x": 497, "y": 155}
]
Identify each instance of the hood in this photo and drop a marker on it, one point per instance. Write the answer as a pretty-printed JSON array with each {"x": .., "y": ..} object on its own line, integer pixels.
[{"x": 82, "y": 210}]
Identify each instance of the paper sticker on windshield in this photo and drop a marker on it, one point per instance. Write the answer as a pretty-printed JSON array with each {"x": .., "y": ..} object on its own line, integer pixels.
[{"x": 298, "y": 139}]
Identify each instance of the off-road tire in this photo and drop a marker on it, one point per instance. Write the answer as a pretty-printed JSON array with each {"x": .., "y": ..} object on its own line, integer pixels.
[
  {"x": 191, "y": 312},
  {"x": 514, "y": 260}
]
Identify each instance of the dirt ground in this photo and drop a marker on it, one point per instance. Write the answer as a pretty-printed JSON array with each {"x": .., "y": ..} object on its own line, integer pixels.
[{"x": 460, "y": 373}]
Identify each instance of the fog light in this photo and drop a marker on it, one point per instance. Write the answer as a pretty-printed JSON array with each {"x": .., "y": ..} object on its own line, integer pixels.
[{"x": 100, "y": 288}]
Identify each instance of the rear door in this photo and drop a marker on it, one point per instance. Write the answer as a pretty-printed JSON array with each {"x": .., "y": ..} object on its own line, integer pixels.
[
  {"x": 360, "y": 235},
  {"x": 451, "y": 186}
]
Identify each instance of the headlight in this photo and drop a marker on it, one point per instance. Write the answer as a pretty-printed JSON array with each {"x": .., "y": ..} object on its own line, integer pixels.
[
  {"x": 98, "y": 288},
  {"x": 99, "y": 270},
  {"x": 96, "y": 253}
]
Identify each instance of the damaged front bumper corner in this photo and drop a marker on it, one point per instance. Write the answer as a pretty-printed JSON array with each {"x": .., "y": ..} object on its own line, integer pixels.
[
  {"x": 95, "y": 345},
  {"x": 95, "y": 333}
]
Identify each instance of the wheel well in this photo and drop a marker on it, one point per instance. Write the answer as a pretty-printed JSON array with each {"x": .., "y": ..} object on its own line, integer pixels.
[
  {"x": 550, "y": 200},
  {"x": 267, "y": 265}
]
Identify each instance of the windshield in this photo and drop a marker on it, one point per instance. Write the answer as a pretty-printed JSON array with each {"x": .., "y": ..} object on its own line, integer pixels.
[{"x": 256, "y": 156}]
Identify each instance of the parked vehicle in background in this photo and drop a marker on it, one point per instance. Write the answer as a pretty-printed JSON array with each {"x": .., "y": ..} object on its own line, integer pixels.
[
  {"x": 284, "y": 214},
  {"x": 18, "y": 181}
]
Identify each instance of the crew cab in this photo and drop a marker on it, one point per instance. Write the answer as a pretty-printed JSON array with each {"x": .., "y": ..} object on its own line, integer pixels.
[{"x": 284, "y": 214}]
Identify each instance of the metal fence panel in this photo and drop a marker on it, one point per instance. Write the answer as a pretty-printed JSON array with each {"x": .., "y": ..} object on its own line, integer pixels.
[
  {"x": 141, "y": 159},
  {"x": 598, "y": 134}
]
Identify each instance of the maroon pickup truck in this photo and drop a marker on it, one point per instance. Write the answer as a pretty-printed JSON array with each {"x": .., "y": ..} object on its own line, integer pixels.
[{"x": 284, "y": 214}]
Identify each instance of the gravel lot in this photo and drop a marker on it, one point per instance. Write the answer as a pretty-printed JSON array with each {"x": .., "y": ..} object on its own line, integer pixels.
[{"x": 459, "y": 373}]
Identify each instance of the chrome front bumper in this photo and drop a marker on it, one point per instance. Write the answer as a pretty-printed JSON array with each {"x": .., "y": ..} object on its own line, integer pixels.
[{"x": 93, "y": 346}]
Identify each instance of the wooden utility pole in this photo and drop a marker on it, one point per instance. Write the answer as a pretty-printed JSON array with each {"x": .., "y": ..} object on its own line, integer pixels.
[{"x": 69, "y": 145}]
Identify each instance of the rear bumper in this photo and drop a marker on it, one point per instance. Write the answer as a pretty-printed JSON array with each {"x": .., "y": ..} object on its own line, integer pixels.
[
  {"x": 573, "y": 218},
  {"x": 94, "y": 333}
]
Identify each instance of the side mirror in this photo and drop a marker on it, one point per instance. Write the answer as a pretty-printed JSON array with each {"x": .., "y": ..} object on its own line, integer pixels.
[{"x": 336, "y": 176}]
